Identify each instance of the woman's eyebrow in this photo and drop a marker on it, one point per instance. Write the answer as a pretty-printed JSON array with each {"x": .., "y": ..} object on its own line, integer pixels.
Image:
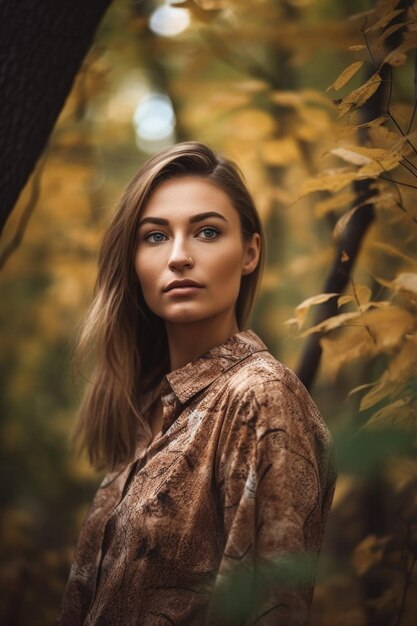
[
  {"x": 202, "y": 216},
  {"x": 153, "y": 220},
  {"x": 195, "y": 218}
]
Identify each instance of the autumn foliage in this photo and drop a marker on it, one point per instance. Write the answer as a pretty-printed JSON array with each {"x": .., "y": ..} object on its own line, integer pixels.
[{"x": 317, "y": 103}]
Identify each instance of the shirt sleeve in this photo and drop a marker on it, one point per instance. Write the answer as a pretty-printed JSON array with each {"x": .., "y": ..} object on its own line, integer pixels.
[{"x": 272, "y": 473}]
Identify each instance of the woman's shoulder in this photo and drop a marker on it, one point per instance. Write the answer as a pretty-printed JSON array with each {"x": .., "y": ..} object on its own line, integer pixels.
[
  {"x": 262, "y": 370},
  {"x": 265, "y": 390}
]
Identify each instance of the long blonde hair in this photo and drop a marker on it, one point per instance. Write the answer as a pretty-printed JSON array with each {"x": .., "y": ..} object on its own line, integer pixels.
[{"x": 128, "y": 340}]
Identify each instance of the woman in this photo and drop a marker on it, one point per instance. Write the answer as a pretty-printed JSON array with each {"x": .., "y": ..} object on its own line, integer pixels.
[{"x": 221, "y": 468}]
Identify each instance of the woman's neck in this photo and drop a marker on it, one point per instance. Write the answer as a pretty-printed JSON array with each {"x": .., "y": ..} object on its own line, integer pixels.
[{"x": 188, "y": 341}]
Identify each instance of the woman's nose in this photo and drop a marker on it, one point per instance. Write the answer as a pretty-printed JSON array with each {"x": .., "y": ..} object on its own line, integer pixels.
[{"x": 179, "y": 258}]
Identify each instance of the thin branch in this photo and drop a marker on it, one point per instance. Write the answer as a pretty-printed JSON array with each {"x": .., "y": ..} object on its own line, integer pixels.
[
  {"x": 408, "y": 573},
  {"x": 17, "y": 238},
  {"x": 390, "y": 82},
  {"x": 409, "y": 169},
  {"x": 358, "y": 304},
  {"x": 368, "y": 47},
  {"x": 398, "y": 182},
  {"x": 415, "y": 94},
  {"x": 400, "y": 202},
  {"x": 391, "y": 116}
]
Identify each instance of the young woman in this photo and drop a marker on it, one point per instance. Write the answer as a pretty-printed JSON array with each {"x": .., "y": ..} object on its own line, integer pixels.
[{"x": 221, "y": 470}]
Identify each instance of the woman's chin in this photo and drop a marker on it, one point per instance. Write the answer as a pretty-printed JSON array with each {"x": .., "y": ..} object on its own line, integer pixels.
[
  {"x": 185, "y": 315},
  {"x": 184, "y": 318}
]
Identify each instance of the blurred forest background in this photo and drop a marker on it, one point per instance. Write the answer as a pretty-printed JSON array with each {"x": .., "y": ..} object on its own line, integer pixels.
[{"x": 316, "y": 100}]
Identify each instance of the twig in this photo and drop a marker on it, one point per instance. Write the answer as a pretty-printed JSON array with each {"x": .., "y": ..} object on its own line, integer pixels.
[
  {"x": 408, "y": 572},
  {"x": 400, "y": 202},
  {"x": 398, "y": 182},
  {"x": 390, "y": 81},
  {"x": 411, "y": 164},
  {"x": 391, "y": 116},
  {"x": 410, "y": 124},
  {"x": 358, "y": 304},
  {"x": 368, "y": 47}
]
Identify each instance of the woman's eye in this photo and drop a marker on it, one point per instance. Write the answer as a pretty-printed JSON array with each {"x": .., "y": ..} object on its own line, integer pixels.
[
  {"x": 209, "y": 233},
  {"x": 155, "y": 237}
]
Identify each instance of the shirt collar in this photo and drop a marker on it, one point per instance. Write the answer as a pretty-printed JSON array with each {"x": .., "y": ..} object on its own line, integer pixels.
[{"x": 188, "y": 380}]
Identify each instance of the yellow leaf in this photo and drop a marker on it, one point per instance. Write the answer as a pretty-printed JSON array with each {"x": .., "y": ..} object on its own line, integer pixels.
[
  {"x": 380, "y": 390},
  {"x": 342, "y": 349},
  {"x": 393, "y": 251},
  {"x": 384, "y": 20},
  {"x": 342, "y": 223},
  {"x": 386, "y": 200},
  {"x": 350, "y": 156},
  {"x": 280, "y": 152},
  {"x": 302, "y": 309},
  {"x": 400, "y": 413},
  {"x": 331, "y": 323},
  {"x": 405, "y": 362},
  {"x": 387, "y": 32},
  {"x": 401, "y": 473},
  {"x": 251, "y": 124},
  {"x": 360, "y": 388},
  {"x": 332, "y": 180},
  {"x": 385, "y": 159},
  {"x": 376, "y": 167},
  {"x": 344, "y": 486},
  {"x": 346, "y": 131},
  {"x": 357, "y": 47},
  {"x": 381, "y": 136},
  {"x": 400, "y": 368},
  {"x": 389, "y": 325},
  {"x": 336, "y": 179},
  {"x": 251, "y": 85},
  {"x": 271, "y": 279},
  {"x": 344, "y": 300},
  {"x": 363, "y": 293},
  {"x": 396, "y": 58},
  {"x": 380, "y": 304},
  {"x": 369, "y": 553},
  {"x": 359, "y": 96},
  {"x": 313, "y": 125},
  {"x": 287, "y": 98},
  {"x": 292, "y": 321},
  {"x": 406, "y": 281},
  {"x": 402, "y": 145},
  {"x": 346, "y": 75},
  {"x": 334, "y": 202}
]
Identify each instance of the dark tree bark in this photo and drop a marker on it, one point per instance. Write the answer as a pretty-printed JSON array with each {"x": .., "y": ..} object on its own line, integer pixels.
[{"x": 42, "y": 46}]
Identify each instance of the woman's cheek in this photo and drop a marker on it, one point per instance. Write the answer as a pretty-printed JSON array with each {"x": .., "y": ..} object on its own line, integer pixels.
[{"x": 227, "y": 263}]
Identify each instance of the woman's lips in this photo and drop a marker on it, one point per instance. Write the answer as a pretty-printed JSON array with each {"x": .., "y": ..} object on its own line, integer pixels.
[
  {"x": 182, "y": 283},
  {"x": 187, "y": 290}
]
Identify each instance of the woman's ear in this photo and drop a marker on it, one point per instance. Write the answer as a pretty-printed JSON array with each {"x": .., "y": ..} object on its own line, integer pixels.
[{"x": 252, "y": 254}]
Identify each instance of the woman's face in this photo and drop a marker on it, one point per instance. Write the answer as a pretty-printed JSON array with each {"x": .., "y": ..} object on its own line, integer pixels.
[{"x": 190, "y": 231}]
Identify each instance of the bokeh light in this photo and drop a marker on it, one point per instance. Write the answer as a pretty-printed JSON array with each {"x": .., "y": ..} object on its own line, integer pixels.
[
  {"x": 169, "y": 21},
  {"x": 154, "y": 122}
]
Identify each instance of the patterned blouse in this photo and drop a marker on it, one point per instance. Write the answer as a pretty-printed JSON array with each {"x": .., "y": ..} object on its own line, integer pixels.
[{"x": 220, "y": 520}]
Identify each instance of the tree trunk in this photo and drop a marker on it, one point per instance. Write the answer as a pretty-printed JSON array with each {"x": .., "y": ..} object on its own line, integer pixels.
[{"x": 42, "y": 45}]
